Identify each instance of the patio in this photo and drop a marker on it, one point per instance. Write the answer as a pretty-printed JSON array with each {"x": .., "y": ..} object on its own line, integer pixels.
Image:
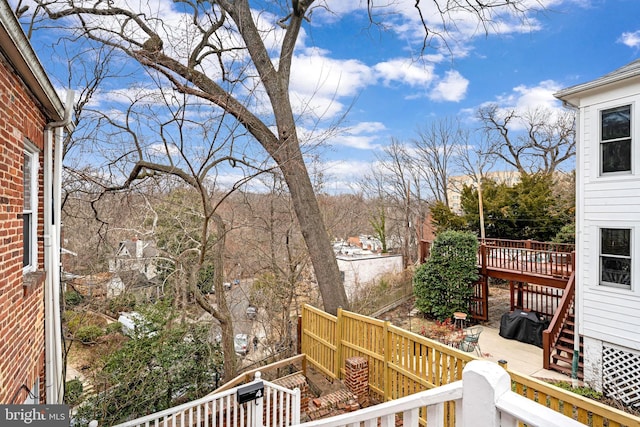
[{"x": 524, "y": 358}]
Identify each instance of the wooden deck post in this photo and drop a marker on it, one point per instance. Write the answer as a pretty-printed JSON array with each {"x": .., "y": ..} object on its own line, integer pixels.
[{"x": 338, "y": 355}]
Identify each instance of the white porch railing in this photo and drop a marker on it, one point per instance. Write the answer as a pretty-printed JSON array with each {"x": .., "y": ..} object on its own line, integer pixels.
[
  {"x": 279, "y": 406},
  {"x": 483, "y": 398}
]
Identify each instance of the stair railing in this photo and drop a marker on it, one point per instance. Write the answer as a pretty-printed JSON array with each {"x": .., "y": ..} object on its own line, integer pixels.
[{"x": 551, "y": 335}]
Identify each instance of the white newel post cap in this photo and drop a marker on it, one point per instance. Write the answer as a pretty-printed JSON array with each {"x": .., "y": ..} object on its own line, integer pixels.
[{"x": 483, "y": 382}]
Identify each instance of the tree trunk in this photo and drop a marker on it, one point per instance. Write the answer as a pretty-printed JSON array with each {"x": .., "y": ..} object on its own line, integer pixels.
[
  {"x": 285, "y": 148},
  {"x": 313, "y": 230}
]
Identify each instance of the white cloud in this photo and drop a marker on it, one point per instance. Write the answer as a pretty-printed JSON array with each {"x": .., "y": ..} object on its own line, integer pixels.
[
  {"x": 524, "y": 99},
  {"x": 453, "y": 87},
  {"x": 161, "y": 150},
  {"x": 362, "y": 136},
  {"x": 405, "y": 71},
  {"x": 450, "y": 33},
  {"x": 318, "y": 82},
  {"x": 631, "y": 39},
  {"x": 314, "y": 72},
  {"x": 344, "y": 174},
  {"x": 541, "y": 95},
  {"x": 367, "y": 127}
]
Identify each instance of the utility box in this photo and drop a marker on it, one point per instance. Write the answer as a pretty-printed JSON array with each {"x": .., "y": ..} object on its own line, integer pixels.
[{"x": 250, "y": 392}]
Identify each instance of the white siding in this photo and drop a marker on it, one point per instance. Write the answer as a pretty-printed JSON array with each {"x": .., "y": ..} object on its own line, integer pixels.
[{"x": 605, "y": 313}]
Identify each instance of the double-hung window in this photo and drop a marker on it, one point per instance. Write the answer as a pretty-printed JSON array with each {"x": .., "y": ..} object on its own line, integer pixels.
[
  {"x": 30, "y": 208},
  {"x": 615, "y": 140},
  {"x": 615, "y": 257}
]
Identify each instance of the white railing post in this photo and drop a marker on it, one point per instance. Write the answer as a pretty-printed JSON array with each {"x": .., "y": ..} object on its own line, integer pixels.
[
  {"x": 483, "y": 383},
  {"x": 297, "y": 398},
  {"x": 257, "y": 406},
  {"x": 258, "y": 411}
]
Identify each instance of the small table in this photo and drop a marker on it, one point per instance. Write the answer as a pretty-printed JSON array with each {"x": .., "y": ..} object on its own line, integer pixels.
[{"x": 460, "y": 319}]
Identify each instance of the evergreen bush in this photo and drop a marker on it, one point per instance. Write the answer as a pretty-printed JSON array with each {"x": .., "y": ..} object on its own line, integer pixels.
[{"x": 444, "y": 284}]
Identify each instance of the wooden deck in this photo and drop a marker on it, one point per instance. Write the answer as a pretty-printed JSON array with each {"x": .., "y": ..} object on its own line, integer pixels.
[
  {"x": 528, "y": 261},
  {"x": 537, "y": 272},
  {"x": 541, "y": 279}
]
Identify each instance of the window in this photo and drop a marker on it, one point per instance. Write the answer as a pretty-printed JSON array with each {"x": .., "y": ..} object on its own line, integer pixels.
[
  {"x": 615, "y": 257},
  {"x": 30, "y": 208},
  {"x": 615, "y": 140}
]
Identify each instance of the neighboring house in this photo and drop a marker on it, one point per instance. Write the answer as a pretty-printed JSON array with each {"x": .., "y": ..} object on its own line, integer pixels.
[
  {"x": 95, "y": 285},
  {"x": 135, "y": 255},
  {"x": 608, "y": 229},
  {"x": 360, "y": 271},
  {"x": 32, "y": 119}
]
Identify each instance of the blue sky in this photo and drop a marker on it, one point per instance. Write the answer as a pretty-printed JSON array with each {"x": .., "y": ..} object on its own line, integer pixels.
[
  {"x": 570, "y": 43},
  {"x": 386, "y": 88}
]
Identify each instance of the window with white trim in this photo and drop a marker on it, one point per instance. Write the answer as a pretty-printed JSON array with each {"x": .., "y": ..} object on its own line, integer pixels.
[
  {"x": 615, "y": 140},
  {"x": 615, "y": 257},
  {"x": 30, "y": 208}
]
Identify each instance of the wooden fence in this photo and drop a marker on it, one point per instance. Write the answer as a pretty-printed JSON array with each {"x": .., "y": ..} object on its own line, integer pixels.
[{"x": 402, "y": 363}]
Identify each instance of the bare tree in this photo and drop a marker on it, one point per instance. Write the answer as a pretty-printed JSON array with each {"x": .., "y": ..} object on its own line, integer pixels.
[
  {"x": 475, "y": 161},
  {"x": 281, "y": 259},
  {"x": 394, "y": 186},
  {"x": 533, "y": 141},
  {"x": 217, "y": 28},
  {"x": 222, "y": 46},
  {"x": 151, "y": 139},
  {"x": 435, "y": 148}
]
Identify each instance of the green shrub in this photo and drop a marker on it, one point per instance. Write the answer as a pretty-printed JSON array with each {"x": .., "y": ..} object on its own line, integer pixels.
[
  {"x": 582, "y": 391},
  {"x": 74, "y": 320},
  {"x": 89, "y": 333},
  {"x": 73, "y": 298},
  {"x": 113, "y": 328},
  {"x": 73, "y": 392},
  {"x": 444, "y": 284},
  {"x": 123, "y": 302}
]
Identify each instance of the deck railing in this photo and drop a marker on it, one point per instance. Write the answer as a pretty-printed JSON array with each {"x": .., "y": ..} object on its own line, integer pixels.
[
  {"x": 278, "y": 406},
  {"x": 482, "y": 398},
  {"x": 402, "y": 363},
  {"x": 543, "y": 300},
  {"x": 586, "y": 411},
  {"x": 552, "y": 333},
  {"x": 528, "y": 256},
  {"x": 529, "y": 244}
]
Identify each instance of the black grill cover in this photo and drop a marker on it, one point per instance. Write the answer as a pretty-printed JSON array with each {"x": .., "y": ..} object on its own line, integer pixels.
[{"x": 523, "y": 326}]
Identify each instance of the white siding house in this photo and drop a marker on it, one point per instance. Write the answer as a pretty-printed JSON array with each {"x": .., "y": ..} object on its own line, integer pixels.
[{"x": 608, "y": 229}]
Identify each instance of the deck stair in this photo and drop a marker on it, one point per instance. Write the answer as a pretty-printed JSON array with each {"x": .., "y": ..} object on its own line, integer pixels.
[{"x": 562, "y": 355}]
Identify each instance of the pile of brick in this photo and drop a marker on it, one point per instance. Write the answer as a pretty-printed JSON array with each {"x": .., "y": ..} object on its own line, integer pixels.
[{"x": 336, "y": 403}]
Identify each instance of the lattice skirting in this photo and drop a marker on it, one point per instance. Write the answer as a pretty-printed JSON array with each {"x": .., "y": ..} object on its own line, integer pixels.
[{"x": 621, "y": 375}]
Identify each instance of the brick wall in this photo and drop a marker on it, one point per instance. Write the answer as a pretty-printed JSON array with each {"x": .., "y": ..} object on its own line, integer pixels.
[
  {"x": 297, "y": 380},
  {"x": 21, "y": 308},
  {"x": 356, "y": 378}
]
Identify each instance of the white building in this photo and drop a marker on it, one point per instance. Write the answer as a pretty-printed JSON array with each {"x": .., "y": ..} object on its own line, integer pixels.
[
  {"x": 608, "y": 229},
  {"x": 360, "y": 271}
]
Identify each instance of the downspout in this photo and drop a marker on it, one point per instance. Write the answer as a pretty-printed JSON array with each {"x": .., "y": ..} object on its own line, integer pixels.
[
  {"x": 576, "y": 330},
  {"x": 54, "y": 380}
]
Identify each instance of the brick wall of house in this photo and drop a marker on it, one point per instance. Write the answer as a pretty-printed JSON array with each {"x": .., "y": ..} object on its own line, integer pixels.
[{"x": 21, "y": 307}]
